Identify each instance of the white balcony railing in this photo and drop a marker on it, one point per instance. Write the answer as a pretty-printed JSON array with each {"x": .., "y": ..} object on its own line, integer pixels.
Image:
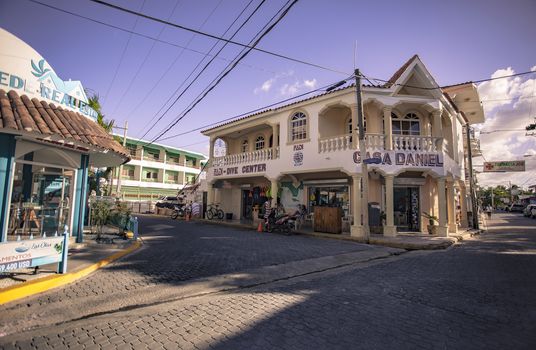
[
  {"x": 417, "y": 143},
  {"x": 332, "y": 144},
  {"x": 246, "y": 157},
  {"x": 375, "y": 141}
]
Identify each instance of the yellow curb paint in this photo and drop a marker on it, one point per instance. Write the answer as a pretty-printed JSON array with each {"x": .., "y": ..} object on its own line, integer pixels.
[{"x": 46, "y": 283}]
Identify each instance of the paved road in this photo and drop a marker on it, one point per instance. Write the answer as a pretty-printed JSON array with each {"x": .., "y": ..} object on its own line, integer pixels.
[
  {"x": 480, "y": 294},
  {"x": 174, "y": 254}
]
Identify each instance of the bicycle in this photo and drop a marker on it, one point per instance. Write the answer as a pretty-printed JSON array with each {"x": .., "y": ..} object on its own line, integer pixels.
[{"x": 214, "y": 211}]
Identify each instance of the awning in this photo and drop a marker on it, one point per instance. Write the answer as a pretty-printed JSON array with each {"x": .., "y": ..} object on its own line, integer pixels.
[{"x": 40, "y": 121}]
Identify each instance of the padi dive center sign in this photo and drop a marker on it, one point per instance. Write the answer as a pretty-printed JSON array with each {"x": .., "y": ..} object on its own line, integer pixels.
[
  {"x": 24, "y": 70},
  {"x": 404, "y": 159},
  {"x": 30, "y": 253}
]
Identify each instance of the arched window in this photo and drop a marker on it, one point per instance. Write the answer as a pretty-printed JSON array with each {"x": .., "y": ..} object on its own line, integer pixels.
[
  {"x": 409, "y": 125},
  {"x": 298, "y": 127},
  {"x": 245, "y": 146},
  {"x": 259, "y": 143}
]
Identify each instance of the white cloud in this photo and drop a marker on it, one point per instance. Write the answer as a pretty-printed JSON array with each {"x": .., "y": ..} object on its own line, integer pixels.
[
  {"x": 288, "y": 86},
  {"x": 509, "y": 104},
  {"x": 265, "y": 87}
]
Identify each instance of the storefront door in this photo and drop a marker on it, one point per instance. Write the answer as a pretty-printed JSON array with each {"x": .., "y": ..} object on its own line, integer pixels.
[{"x": 406, "y": 209}]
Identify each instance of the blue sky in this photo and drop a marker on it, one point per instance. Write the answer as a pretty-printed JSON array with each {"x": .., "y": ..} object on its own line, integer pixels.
[{"x": 457, "y": 40}]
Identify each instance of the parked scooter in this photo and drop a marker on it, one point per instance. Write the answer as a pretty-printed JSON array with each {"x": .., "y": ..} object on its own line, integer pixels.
[
  {"x": 298, "y": 217},
  {"x": 279, "y": 223},
  {"x": 178, "y": 210}
]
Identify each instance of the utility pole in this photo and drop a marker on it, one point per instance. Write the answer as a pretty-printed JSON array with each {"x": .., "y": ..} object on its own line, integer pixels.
[
  {"x": 118, "y": 189},
  {"x": 474, "y": 204},
  {"x": 362, "y": 152},
  {"x": 492, "y": 203}
]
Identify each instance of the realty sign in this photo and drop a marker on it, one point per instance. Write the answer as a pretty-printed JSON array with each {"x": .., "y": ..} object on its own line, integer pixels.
[
  {"x": 30, "y": 253},
  {"x": 496, "y": 167}
]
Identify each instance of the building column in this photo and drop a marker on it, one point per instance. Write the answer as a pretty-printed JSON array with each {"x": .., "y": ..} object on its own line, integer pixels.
[
  {"x": 437, "y": 130},
  {"x": 7, "y": 164},
  {"x": 451, "y": 207},
  {"x": 355, "y": 135},
  {"x": 210, "y": 193},
  {"x": 389, "y": 229},
  {"x": 211, "y": 149},
  {"x": 442, "y": 229},
  {"x": 357, "y": 228},
  {"x": 275, "y": 134},
  {"x": 80, "y": 201},
  {"x": 273, "y": 191},
  {"x": 387, "y": 110},
  {"x": 463, "y": 206}
]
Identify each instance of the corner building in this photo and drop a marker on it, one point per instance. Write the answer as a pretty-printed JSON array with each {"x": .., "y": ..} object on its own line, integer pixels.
[{"x": 307, "y": 153}]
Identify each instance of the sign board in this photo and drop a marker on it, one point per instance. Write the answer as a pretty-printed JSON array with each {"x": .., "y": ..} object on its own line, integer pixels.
[
  {"x": 402, "y": 158},
  {"x": 30, "y": 253},
  {"x": 512, "y": 165},
  {"x": 240, "y": 170},
  {"x": 24, "y": 70}
]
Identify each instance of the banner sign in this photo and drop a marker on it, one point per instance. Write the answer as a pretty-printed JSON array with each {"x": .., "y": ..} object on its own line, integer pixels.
[
  {"x": 513, "y": 165},
  {"x": 240, "y": 170},
  {"x": 24, "y": 69},
  {"x": 402, "y": 158},
  {"x": 30, "y": 253}
]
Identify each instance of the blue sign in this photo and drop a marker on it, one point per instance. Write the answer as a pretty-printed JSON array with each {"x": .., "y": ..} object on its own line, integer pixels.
[{"x": 372, "y": 161}]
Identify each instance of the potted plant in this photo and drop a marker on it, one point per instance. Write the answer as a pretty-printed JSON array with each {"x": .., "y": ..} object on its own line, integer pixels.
[{"x": 432, "y": 220}]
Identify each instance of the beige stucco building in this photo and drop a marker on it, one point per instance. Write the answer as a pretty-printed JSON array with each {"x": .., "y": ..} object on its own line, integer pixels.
[{"x": 307, "y": 153}]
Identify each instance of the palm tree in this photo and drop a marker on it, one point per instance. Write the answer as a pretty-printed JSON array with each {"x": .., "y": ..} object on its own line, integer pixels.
[
  {"x": 108, "y": 126},
  {"x": 94, "y": 103}
]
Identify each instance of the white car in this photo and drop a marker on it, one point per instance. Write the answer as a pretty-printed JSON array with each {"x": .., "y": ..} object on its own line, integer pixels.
[
  {"x": 533, "y": 212},
  {"x": 528, "y": 210}
]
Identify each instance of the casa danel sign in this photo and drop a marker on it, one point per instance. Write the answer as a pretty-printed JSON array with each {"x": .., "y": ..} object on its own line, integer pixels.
[{"x": 22, "y": 69}]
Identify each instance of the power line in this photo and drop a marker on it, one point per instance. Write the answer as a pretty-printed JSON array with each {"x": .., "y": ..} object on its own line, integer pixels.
[
  {"x": 146, "y": 57},
  {"x": 448, "y": 86},
  {"x": 171, "y": 65},
  {"x": 122, "y": 56},
  {"x": 205, "y": 67},
  {"x": 139, "y": 14},
  {"x": 264, "y": 108},
  {"x": 143, "y": 35},
  {"x": 224, "y": 74}
]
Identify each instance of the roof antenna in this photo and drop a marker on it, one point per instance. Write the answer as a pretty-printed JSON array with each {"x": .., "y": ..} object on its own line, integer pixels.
[{"x": 355, "y": 52}]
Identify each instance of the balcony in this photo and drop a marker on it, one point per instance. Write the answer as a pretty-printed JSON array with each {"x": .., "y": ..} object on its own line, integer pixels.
[
  {"x": 246, "y": 157},
  {"x": 377, "y": 142}
]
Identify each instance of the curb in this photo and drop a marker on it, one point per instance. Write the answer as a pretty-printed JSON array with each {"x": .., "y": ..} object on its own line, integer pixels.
[
  {"x": 40, "y": 285},
  {"x": 391, "y": 244}
]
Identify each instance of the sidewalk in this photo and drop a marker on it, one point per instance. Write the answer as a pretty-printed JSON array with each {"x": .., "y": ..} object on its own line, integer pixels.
[
  {"x": 84, "y": 258},
  {"x": 407, "y": 241}
]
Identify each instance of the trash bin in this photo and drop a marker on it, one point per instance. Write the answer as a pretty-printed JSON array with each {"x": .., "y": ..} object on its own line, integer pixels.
[{"x": 229, "y": 216}]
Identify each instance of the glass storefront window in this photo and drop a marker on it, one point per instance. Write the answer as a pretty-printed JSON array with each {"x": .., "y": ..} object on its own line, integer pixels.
[
  {"x": 330, "y": 196},
  {"x": 40, "y": 201}
]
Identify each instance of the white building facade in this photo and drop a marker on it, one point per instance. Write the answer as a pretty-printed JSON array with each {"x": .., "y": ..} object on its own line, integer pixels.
[
  {"x": 307, "y": 153},
  {"x": 157, "y": 170}
]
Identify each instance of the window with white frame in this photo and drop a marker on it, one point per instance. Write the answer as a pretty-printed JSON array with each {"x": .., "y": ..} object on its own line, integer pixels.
[
  {"x": 298, "y": 127},
  {"x": 409, "y": 125},
  {"x": 245, "y": 146},
  {"x": 259, "y": 143}
]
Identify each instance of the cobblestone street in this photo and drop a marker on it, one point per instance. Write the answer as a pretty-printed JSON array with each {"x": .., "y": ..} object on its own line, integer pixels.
[{"x": 479, "y": 294}]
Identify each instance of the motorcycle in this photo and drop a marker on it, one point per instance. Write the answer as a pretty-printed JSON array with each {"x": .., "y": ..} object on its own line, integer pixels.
[
  {"x": 178, "y": 210},
  {"x": 279, "y": 223}
]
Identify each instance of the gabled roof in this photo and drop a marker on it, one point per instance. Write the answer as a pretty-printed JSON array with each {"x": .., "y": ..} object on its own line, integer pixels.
[
  {"x": 42, "y": 119},
  {"x": 400, "y": 71}
]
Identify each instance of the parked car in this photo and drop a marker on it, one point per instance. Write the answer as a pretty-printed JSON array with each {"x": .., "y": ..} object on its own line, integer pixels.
[
  {"x": 517, "y": 208},
  {"x": 533, "y": 212},
  {"x": 528, "y": 210},
  {"x": 167, "y": 202}
]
